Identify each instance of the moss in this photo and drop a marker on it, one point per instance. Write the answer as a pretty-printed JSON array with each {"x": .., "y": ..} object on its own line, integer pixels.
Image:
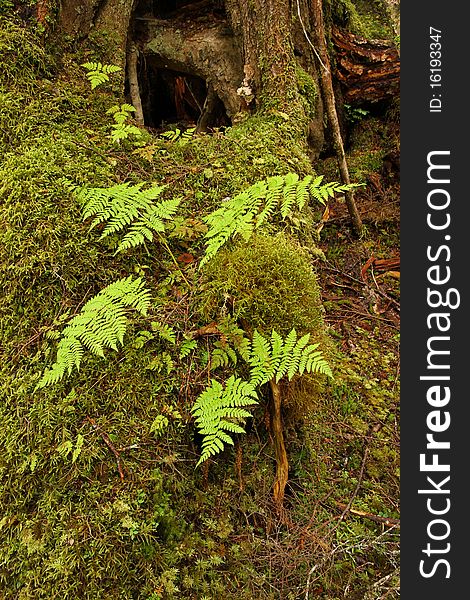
[
  {"x": 308, "y": 91},
  {"x": 366, "y": 18},
  {"x": 367, "y": 147},
  {"x": 269, "y": 283},
  {"x": 70, "y": 527},
  {"x": 22, "y": 54}
]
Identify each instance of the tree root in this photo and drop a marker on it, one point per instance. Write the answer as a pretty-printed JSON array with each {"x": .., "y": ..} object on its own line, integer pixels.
[{"x": 282, "y": 464}]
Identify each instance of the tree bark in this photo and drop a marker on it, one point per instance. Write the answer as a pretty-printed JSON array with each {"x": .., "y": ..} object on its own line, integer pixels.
[
  {"x": 108, "y": 18},
  {"x": 263, "y": 31},
  {"x": 132, "y": 58}
]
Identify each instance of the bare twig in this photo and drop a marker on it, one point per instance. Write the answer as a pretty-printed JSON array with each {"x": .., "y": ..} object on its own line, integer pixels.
[{"x": 108, "y": 442}]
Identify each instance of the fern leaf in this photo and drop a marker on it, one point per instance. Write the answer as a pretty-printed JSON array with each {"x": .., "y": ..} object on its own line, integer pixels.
[
  {"x": 222, "y": 357},
  {"x": 303, "y": 192},
  {"x": 277, "y": 357},
  {"x": 99, "y": 73},
  {"x": 164, "y": 331},
  {"x": 124, "y": 206},
  {"x": 187, "y": 347},
  {"x": 288, "y": 346},
  {"x": 101, "y": 323},
  {"x": 217, "y": 410},
  {"x": 240, "y": 215},
  {"x": 136, "y": 236},
  {"x": 289, "y": 193}
]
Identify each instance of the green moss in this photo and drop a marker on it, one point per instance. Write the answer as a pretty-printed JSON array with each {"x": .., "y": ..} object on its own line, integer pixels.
[
  {"x": 308, "y": 91},
  {"x": 22, "y": 54},
  {"x": 269, "y": 283},
  {"x": 70, "y": 526},
  {"x": 366, "y": 18}
]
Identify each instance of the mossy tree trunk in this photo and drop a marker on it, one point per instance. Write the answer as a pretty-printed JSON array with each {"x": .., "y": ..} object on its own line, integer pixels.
[
  {"x": 107, "y": 19},
  {"x": 248, "y": 54},
  {"x": 244, "y": 52},
  {"x": 264, "y": 31}
]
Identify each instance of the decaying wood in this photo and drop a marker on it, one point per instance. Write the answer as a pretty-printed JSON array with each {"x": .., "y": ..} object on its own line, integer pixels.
[
  {"x": 202, "y": 47},
  {"x": 387, "y": 264},
  {"x": 368, "y": 69}
]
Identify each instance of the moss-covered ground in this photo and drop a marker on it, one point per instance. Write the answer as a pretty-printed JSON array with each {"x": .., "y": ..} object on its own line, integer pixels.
[{"x": 99, "y": 496}]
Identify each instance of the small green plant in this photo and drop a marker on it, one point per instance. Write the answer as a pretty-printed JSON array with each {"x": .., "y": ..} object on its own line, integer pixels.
[
  {"x": 247, "y": 211},
  {"x": 120, "y": 130},
  {"x": 219, "y": 410},
  {"x": 183, "y": 137},
  {"x": 122, "y": 206},
  {"x": 97, "y": 73},
  {"x": 100, "y": 324},
  {"x": 275, "y": 358},
  {"x": 354, "y": 114}
]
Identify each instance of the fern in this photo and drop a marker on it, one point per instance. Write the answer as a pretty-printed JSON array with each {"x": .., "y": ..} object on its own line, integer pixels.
[
  {"x": 269, "y": 359},
  {"x": 164, "y": 331},
  {"x": 100, "y": 324},
  {"x": 121, "y": 130},
  {"x": 222, "y": 356},
  {"x": 276, "y": 357},
  {"x": 187, "y": 347},
  {"x": 218, "y": 412},
  {"x": 247, "y": 211},
  {"x": 98, "y": 73},
  {"x": 177, "y": 135},
  {"x": 124, "y": 206}
]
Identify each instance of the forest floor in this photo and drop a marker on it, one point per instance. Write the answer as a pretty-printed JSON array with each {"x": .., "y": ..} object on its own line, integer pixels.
[{"x": 360, "y": 283}]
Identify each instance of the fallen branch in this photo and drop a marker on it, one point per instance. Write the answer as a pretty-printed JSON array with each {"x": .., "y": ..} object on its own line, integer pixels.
[{"x": 388, "y": 521}]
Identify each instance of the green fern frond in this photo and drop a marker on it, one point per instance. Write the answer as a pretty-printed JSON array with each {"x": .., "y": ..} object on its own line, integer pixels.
[
  {"x": 101, "y": 323},
  {"x": 121, "y": 131},
  {"x": 223, "y": 356},
  {"x": 240, "y": 215},
  {"x": 187, "y": 347},
  {"x": 219, "y": 410},
  {"x": 276, "y": 357},
  {"x": 122, "y": 206},
  {"x": 164, "y": 331},
  {"x": 99, "y": 73}
]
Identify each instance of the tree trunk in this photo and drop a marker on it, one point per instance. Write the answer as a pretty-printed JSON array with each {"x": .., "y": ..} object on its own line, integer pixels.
[
  {"x": 132, "y": 57},
  {"x": 263, "y": 31},
  {"x": 107, "y": 19},
  {"x": 246, "y": 53},
  {"x": 330, "y": 105}
]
